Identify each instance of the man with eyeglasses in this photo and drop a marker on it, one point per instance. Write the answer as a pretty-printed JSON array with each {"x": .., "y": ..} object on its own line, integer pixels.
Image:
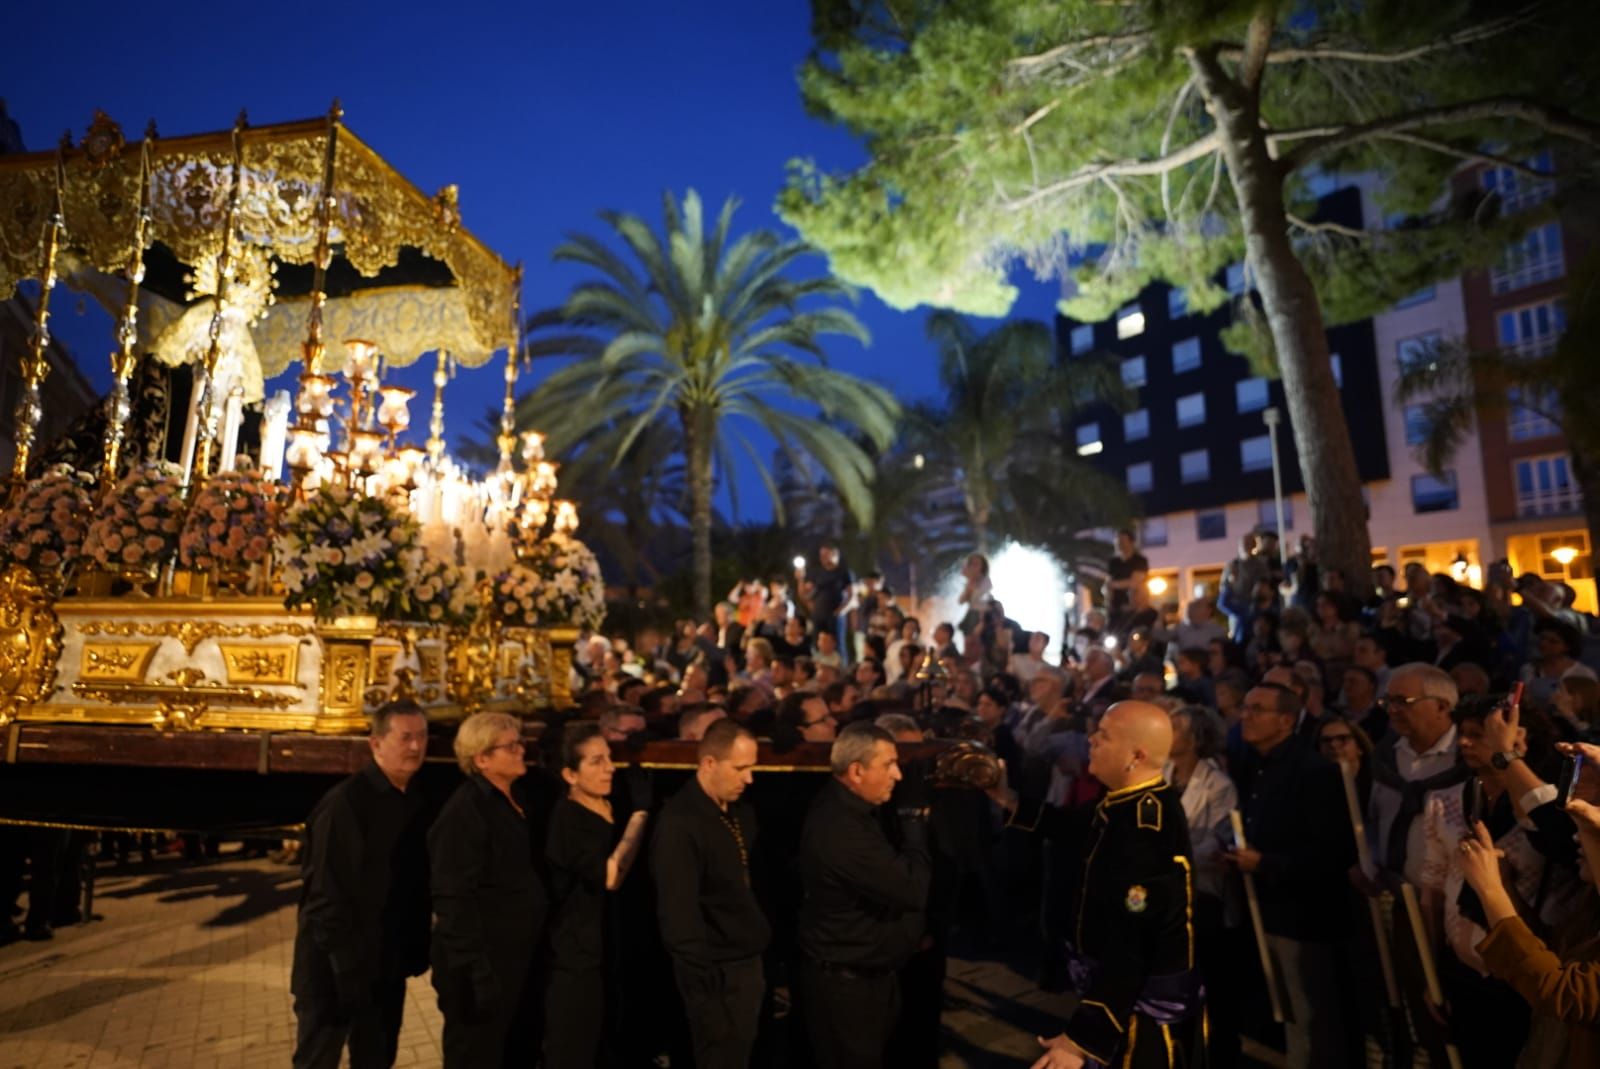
[
  {"x": 1299, "y": 848},
  {"x": 364, "y": 905}
]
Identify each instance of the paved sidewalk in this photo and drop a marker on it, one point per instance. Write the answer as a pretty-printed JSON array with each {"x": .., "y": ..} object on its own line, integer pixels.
[{"x": 189, "y": 969}]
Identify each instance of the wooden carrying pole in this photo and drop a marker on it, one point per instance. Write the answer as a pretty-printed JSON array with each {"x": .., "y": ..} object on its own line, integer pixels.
[
  {"x": 1267, "y": 969},
  {"x": 1430, "y": 971},
  {"x": 1391, "y": 986}
]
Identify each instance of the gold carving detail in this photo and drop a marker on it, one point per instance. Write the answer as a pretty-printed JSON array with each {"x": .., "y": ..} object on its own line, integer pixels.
[
  {"x": 183, "y": 697},
  {"x": 30, "y": 641},
  {"x": 124, "y": 661},
  {"x": 190, "y": 633},
  {"x": 261, "y": 664}
]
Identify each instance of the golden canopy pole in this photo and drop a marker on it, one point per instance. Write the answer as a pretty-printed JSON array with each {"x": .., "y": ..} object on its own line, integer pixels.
[
  {"x": 507, "y": 439},
  {"x": 35, "y": 364},
  {"x": 205, "y": 432},
  {"x": 313, "y": 404},
  {"x": 123, "y": 360}
]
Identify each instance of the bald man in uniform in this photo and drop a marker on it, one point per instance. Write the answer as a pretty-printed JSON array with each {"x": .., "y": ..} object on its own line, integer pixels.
[{"x": 1131, "y": 942}]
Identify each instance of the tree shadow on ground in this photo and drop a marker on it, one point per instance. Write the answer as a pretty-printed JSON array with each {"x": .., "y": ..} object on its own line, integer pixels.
[
  {"x": 58, "y": 1006},
  {"x": 262, "y": 891}
]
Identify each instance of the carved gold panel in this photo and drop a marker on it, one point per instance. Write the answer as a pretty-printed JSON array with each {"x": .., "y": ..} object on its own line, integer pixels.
[
  {"x": 431, "y": 659},
  {"x": 383, "y": 659},
  {"x": 344, "y": 677},
  {"x": 125, "y": 662},
  {"x": 510, "y": 659},
  {"x": 249, "y": 663}
]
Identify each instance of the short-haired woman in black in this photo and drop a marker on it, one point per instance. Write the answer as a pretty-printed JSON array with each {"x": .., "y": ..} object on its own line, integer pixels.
[
  {"x": 587, "y": 860},
  {"x": 488, "y": 901}
]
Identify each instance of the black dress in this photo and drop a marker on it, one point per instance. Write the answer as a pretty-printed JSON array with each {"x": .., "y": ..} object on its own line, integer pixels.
[{"x": 579, "y": 844}]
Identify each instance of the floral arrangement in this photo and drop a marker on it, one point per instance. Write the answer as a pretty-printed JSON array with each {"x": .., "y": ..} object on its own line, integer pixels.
[
  {"x": 231, "y": 523},
  {"x": 44, "y": 528},
  {"x": 139, "y": 524},
  {"x": 556, "y": 581},
  {"x": 344, "y": 554},
  {"x": 435, "y": 591}
]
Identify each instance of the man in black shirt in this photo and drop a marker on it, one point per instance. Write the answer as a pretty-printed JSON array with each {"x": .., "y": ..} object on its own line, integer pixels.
[
  {"x": 1126, "y": 570},
  {"x": 364, "y": 907},
  {"x": 826, "y": 593},
  {"x": 711, "y": 923},
  {"x": 862, "y": 917}
]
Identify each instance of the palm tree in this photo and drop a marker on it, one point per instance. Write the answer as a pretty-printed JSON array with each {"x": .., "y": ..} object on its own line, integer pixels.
[
  {"x": 1001, "y": 434},
  {"x": 710, "y": 331}
]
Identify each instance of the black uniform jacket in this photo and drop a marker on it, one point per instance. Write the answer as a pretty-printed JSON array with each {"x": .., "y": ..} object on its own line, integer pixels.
[
  {"x": 364, "y": 897},
  {"x": 864, "y": 900},
  {"x": 1133, "y": 924},
  {"x": 708, "y": 910},
  {"x": 488, "y": 901}
]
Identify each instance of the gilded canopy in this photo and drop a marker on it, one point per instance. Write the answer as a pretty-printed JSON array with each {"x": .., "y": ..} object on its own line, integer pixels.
[{"x": 404, "y": 272}]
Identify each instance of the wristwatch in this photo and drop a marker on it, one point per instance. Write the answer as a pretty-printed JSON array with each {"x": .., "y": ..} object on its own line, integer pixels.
[{"x": 1502, "y": 760}]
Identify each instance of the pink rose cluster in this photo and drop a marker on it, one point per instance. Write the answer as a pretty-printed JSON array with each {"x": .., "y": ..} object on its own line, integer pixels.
[
  {"x": 44, "y": 528},
  {"x": 231, "y": 523},
  {"x": 139, "y": 524}
]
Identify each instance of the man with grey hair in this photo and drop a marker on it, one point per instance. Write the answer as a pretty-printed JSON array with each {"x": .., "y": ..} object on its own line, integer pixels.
[
  {"x": 364, "y": 905},
  {"x": 862, "y": 915},
  {"x": 1417, "y": 756},
  {"x": 902, "y": 726}
]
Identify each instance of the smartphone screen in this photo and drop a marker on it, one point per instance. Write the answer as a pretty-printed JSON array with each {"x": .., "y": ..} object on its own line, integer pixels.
[
  {"x": 1472, "y": 804},
  {"x": 1567, "y": 782}
]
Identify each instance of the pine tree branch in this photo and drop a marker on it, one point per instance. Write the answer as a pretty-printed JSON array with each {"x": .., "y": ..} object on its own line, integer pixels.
[
  {"x": 1197, "y": 149},
  {"x": 1067, "y": 54},
  {"x": 1470, "y": 35},
  {"x": 1320, "y": 140},
  {"x": 1257, "y": 46},
  {"x": 1331, "y": 228}
]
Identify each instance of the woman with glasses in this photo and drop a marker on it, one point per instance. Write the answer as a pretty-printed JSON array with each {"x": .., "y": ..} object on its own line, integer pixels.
[
  {"x": 587, "y": 860},
  {"x": 1343, "y": 742},
  {"x": 488, "y": 901}
]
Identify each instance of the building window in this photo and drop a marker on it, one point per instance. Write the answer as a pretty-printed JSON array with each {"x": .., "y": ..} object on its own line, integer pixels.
[
  {"x": 1250, "y": 394},
  {"x": 1195, "y": 466},
  {"x": 1133, "y": 372},
  {"x": 1233, "y": 278},
  {"x": 1337, "y": 364},
  {"x": 1136, "y": 425},
  {"x": 1565, "y": 556},
  {"x": 1518, "y": 191},
  {"x": 1422, "y": 296},
  {"x": 1417, "y": 424},
  {"x": 1186, "y": 355},
  {"x": 1433, "y": 494},
  {"x": 1535, "y": 419},
  {"x": 1082, "y": 339},
  {"x": 1177, "y": 303},
  {"x": 1210, "y": 526},
  {"x": 1153, "y": 531},
  {"x": 1535, "y": 257},
  {"x": 1267, "y": 514},
  {"x": 1545, "y": 486},
  {"x": 1089, "y": 440},
  {"x": 1130, "y": 322},
  {"x": 1534, "y": 330},
  {"x": 1417, "y": 351},
  {"x": 1191, "y": 409},
  {"x": 1255, "y": 454},
  {"x": 1139, "y": 479}
]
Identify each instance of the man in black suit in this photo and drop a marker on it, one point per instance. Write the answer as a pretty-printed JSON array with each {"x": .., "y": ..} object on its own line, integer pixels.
[
  {"x": 1299, "y": 848},
  {"x": 364, "y": 905}
]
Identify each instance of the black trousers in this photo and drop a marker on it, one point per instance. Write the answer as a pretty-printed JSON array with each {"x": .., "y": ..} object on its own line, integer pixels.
[
  {"x": 575, "y": 1018},
  {"x": 1489, "y": 1022},
  {"x": 480, "y": 1037},
  {"x": 849, "y": 1015},
  {"x": 373, "y": 1032},
  {"x": 723, "y": 1013},
  {"x": 916, "y": 1037}
]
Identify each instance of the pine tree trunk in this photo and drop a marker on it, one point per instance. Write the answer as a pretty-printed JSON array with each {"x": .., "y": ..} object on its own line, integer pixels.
[
  {"x": 1294, "y": 316},
  {"x": 697, "y": 446}
]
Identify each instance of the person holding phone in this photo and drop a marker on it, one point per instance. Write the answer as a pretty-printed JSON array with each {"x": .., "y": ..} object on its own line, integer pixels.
[{"x": 1568, "y": 991}]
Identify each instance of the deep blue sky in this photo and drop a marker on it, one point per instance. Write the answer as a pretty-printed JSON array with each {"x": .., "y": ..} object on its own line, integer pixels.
[{"x": 543, "y": 114}]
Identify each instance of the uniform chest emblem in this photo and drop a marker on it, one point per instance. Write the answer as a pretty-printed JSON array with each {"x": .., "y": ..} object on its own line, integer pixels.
[{"x": 1136, "y": 899}]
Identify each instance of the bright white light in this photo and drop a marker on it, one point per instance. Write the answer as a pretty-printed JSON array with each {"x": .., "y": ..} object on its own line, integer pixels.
[
  {"x": 1089, "y": 449},
  {"x": 1564, "y": 555},
  {"x": 1028, "y": 582},
  {"x": 799, "y": 562},
  {"x": 1109, "y": 642},
  {"x": 1157, "y": 585},
  {"x": 918, "y": 461},
  {"x": 1130, "y": 321},
  {"x": 1069, "y": 600}
]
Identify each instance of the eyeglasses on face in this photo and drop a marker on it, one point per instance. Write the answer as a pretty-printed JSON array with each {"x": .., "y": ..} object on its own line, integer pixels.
[
  {"x": 1402, "y": 700},
  {"x": 1256, "y": 709},
  {"x": 515, "y": 747},
  {"x": 1337, "y": 740},
  {"x": 826, "y": 718}
]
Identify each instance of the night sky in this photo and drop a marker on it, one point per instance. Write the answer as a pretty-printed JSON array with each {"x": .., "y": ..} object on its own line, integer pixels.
[{"x": 544, "y": 114}]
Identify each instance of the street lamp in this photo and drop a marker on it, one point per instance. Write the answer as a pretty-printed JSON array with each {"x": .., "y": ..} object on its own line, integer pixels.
[{"x": 1271, "y": 417}]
